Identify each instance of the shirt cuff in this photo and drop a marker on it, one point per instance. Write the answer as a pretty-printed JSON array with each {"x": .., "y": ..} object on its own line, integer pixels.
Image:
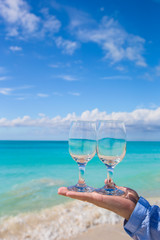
[{"x": 137, "y": 216}]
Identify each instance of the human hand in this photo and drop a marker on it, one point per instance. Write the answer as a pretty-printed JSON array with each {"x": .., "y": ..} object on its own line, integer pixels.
[{"x": 121, "y": 205}]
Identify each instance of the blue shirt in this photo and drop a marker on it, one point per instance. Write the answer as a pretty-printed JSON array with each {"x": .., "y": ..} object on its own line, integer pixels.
[{"x": 144, "y": 223}]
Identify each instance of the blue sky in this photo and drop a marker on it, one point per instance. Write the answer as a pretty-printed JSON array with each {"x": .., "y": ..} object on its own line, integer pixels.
[{"x": 63, "y": 60}]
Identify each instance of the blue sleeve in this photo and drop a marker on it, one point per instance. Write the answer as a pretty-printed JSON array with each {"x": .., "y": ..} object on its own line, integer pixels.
[{"x": 144, "y": 223}]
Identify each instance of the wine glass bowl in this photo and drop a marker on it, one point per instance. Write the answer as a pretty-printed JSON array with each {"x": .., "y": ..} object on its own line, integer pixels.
[
  {"x": 111, "y": 149},
  {"x": 82, "y": 148}
]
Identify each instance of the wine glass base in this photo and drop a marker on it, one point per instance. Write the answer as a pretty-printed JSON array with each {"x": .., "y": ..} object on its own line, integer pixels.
[
  {"x": 81, "y": 188},
  {"x": 109, "y": 191}
]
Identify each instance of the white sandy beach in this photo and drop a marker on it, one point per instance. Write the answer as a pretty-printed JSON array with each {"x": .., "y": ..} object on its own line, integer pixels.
[
  {"x": 104, "y": 232},
  {"x": 74, "y": 220}
]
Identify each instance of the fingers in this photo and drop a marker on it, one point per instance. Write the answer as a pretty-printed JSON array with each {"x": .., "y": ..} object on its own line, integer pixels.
[
  {"x": 129, "y": 194},
  {"x": 99, "y": 199},
  {"x": 62, "y": 191},
  {"x": 83, "y": 196},
  {"x": 88, "y": 197},
  {"x": 108, "y": 181}
]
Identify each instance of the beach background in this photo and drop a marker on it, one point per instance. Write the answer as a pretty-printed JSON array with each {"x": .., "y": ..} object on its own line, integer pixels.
[
  {"x": 62, "y": 61},
  {"x": 32, "y": 171}
]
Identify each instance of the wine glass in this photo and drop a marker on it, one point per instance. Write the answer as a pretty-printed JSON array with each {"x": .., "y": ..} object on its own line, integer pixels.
[
  {"x": 82, "y": 148},
  {"x": 111, "y": 149}
]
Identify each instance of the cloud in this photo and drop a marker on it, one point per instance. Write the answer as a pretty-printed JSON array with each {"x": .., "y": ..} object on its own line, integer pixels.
[
  {"x": 117, "y": 77},
  {"x": 15, "y": 48},
  {"x": 41, "y": 115},
  {"x": 138, "y": 122},
  {"x": 120, "y": 68},
  {"x": 2, "y": 70},
  {"x": 2, "y": 78},
  {"x": 117, "y": 44},
  {"x": 42, "y": 95},
  {"x": 57, "y": 94},
  {"x": 67, "y": 78},
  {"x": 148, "y": 76},
  {"x": 102, "y": 9},
  {"x": 54, "y": 65},
  {"x": 77, "y": 94},
  {"x": 67, "y": 46},
  {"x": 157, "y": 70},
  {"x": 78, "y": 18},
  {"x": 21, "y": 22},
  {"x": 18, "y": 17},
  {"x": 20, "y": 98},
  {"x": 6, "y": 91},
  {"x": 9, "y": 91},
  {"x": 50, "y": 24},
  {"x": 152, "y": 74}
]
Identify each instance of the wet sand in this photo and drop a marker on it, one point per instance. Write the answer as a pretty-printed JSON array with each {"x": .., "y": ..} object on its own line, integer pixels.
[
  {"x": 104, "y": 232},
  {"x": 74, "y": 220}
]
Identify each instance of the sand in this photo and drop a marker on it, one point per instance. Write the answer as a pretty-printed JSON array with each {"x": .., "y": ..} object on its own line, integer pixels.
[
  {"x": 109, "y": 231},
  {"x": 74, "y": 220},
  {"x": 104, "y": 232}
]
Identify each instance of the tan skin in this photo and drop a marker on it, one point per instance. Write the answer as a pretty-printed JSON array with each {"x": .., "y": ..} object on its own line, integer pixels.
[{"x": 121, "y": 205}]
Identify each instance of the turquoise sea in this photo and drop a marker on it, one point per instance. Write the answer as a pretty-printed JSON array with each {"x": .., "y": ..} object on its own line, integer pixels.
[{"x": 32, "y": 171}]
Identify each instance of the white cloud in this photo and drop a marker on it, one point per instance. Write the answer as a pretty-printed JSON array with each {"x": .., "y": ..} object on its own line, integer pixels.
[
  {"x": 15, "y": 48},
  {"x": 2, "y": 78},
  {"x": 67, "y": 78},
  {"x": 152, "y": 74},
  {"x": 2, "y": 70},
  {"x": 6, "y": 91},
  {"x": 57, "y": 94},
  {"x": 42, "y": 95},
  {"x": 153, "y": 105},
  {"x": 116, "y": 43},
  {"x": 78, "y": 18},
  {"x": 148, "y": 76},
  {"x": 120, "y": 68},
  {"x": 102, "y": 9},
  {"x": 9, "y": 91},
  {"x": 140, "y": 121},
  {"x": 18, "y": 16},
  {"x": 158, "y": 70},
  {"x": 20, "y": 98},
  {"x": 41, "y": 115},
  {"x": 117, "y": 77},
  {"x": 141, "y": 124},
  {"x": 21, "y": 22},
  {"x": 77, "y": 94},
  {"x": 54, "y": 65},
  {"x": 67, "y": 46},
  {"x": 50, "y": 24}
]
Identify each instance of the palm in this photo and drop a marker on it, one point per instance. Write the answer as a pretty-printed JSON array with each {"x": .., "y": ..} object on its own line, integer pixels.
[{"x": 122, "y": 205}]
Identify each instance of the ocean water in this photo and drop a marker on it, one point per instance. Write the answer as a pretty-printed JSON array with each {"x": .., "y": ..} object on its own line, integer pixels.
[{"x": 32, "y": 171}]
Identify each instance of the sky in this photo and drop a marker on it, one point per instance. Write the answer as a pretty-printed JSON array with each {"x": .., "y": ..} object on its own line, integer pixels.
[{"x": 66, "y": 60}]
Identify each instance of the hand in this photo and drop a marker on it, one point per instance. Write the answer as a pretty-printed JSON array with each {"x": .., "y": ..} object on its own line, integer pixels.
[{"x": 121, "y": 205}]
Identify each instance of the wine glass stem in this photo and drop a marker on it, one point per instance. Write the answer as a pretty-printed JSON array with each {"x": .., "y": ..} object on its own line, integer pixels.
[
  {"x": 110, "y": 171},
  {"x": 81, "y": 180}
]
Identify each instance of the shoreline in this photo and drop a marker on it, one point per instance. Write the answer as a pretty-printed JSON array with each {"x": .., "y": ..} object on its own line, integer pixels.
[
  {"x": 104, "y": 232},
  {"x": 72, "y": 220}
]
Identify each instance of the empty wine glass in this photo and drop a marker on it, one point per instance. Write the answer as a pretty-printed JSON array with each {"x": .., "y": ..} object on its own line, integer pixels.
[
  {"x": 82, "y": 148},
  {"x": 111, "y": 149}
]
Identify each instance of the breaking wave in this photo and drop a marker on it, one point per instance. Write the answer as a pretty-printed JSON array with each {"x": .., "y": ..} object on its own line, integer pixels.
[{"x": 58, "y": 222}]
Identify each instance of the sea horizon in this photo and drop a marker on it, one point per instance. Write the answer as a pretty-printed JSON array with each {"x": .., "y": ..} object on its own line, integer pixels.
[
  {"x": 36, "y": 168},
  {"x": 32, "y": 171},
  {"x": 57, "y": 140}
]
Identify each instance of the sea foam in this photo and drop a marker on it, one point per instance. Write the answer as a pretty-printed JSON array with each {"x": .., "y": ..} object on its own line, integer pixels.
[{"x": 58, "y": 222}]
